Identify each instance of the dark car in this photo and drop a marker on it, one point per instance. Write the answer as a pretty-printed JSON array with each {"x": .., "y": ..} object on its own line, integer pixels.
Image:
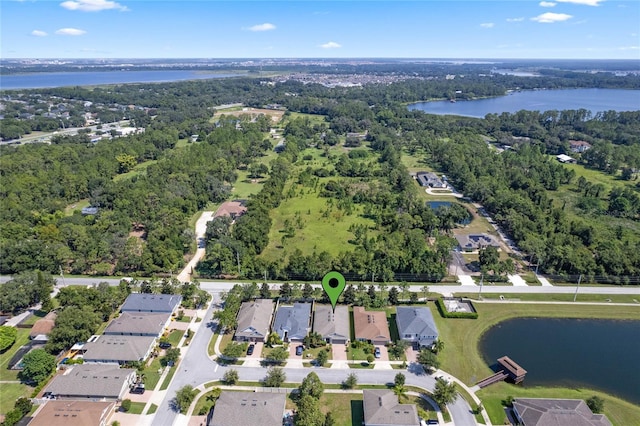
[
  {"x": 432, "y": 422},
  {"x": 138, "y": 389},
  {"x": 250, "y": 349},
  {"x": 299, "y": 350},
  {"x": 164, "y": 345},
  {"x": 376, "y": 352}
]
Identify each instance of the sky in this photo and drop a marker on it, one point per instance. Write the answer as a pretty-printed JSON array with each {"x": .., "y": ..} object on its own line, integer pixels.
[{"x": 557, "y": 29}]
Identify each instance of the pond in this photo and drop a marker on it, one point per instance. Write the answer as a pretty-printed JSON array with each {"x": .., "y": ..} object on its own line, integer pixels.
[{"x": 583, "y": 353}]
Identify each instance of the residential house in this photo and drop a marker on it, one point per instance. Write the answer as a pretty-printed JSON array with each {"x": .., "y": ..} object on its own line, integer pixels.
[
  {"x": 41, "y": 328},
  {"x": 371, "y": 326},
  {"x": 292, "y": 322},
  {"x": 147, "y": 302},
  {"x": 110, "y": 349},
  {"x": 430, "y": 179},
  {"x": 73, "y": 413},
  {"x": 248, "y": 408},
  {"x": 579, "y": 146},
  {"x": 92, "y": 381},
  {"x": 139, "y": 324},
  {"x": 254, "y": 319},
  {"x": 556, "y": 412},
  {"x": 416, "y": 325},
  {"x": 381, "y": 408},
  {"x": 563, "y": 158},
  {"x": 474, "y": 242},
  {"x": 332, "y": 325},
  {"x": 233, "y": 209}
]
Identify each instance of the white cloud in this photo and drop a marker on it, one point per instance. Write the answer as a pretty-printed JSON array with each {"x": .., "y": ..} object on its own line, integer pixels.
[
  {"x": 550, "y": 17},
  {"x": 331, "y": 45},
  {"x": 547, "y": 4},
  {"x": 70, "y": 32},
  {"x": 262, "y": 27},
  {"x": 515, "y": 19},
  {"x": 487, "y": 25},
  {"x": 629, "y": 48},
  {"x": 585, "y": 2},
  {"x": 39, "y": 33},
  {"x": 92, "y": 5}
]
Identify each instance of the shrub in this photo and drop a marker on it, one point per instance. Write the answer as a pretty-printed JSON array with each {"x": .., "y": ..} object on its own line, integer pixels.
[
  {"x": 126, "y": 405},
  {"x": 7, "y": 337}
]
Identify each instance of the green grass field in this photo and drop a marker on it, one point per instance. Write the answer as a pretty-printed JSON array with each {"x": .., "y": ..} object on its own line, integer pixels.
[
  {"x": 601, "y": 298},
  {"x": 21, "y": 338},
  {"x": 314, "y": 118},
  {"x": 68, "y": 211},
  {"x": 9, "y": 393},
  {"x": 139, "y": 169},
  {"x": 346, "y": 409}
]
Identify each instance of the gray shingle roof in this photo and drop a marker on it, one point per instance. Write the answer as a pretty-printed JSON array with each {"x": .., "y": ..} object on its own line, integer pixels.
[
  {"x": 254, "y": 319},
  {"x": 381, "y": 407},
  {"x": 248, "y": 408},
  {"x": 557, "y": 412},
  {"x": 417, "y": 322},
  {"x": 332, "y": 324},
  {"x": 110, "y": 348},
  {"x": 293, "y": 320},
  {"x": 138, "y": 323},
  {"x": 92, "y": 381},
  {"x": 143, "y": 302}
]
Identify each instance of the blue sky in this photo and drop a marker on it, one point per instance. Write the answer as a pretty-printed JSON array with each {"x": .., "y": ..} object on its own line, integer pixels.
[{"x": 603, "y": 29}]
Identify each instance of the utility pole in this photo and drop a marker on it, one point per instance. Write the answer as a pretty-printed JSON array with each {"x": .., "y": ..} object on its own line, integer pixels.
[
  {"x": 575, "y": 295},
  {"x": 238, "y": 258},
  {"x": 62, "y": 275},
  {"x": 481, "y": 282}
]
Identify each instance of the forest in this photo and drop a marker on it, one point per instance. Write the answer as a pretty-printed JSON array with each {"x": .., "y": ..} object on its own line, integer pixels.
[{"x": 568, "y": 219}]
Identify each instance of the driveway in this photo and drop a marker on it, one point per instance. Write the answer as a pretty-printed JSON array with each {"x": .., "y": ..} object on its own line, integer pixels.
[
  {"x": 411, "y": 354},
  {"x": 384, "y": 353},
  {"x": 339, "y": 351}
]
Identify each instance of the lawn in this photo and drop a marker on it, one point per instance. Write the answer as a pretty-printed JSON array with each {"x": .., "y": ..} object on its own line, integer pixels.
[
  {"x": 461, "y": 336},
  {"x": 152, "y": 409},
  {"x": 619, "y": 412},
  {"x": 243, "y": 188},
  {"x": 139, "y": 169},
  {"x": 21, "y": 339},
  {"x": 9, "y": 393},
  {"x": 313, "y": 118},
  {"x": 169, "y": 376},
  {"x": 611, "y": 298},
  {"x": 346, "y": 409},
  {"x": 425, "y": 410},
  {"x": 68, "y": 211},
  {"x": 175, "y": 336},
  {"x": 212, "y": 343},
  {"x": 152, "y": 374},
  {"x": 136, "y": 407},
  {"x": 33, "y": 318}
]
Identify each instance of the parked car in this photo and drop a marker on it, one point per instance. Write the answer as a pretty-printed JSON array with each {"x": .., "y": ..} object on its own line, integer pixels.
[
  {"x": 432, "y": 422},
  {"x": 299, "y": 350},
  {"x": 250, "y": 349},
  {"x": 139, "y": 389},
  {"x": 376, "y": 352},
  {"x": 164, "y": 345}
]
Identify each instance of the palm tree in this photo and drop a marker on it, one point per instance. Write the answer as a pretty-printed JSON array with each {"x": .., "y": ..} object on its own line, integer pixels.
[
  {"x": 445, "y": 392},
  {"x": 438, "y": 345},
  {"x": 425, "y": 290}
]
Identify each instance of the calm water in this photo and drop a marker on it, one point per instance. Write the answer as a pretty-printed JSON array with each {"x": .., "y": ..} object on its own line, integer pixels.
[
  {"x": 596, "y": 354},
  {"x": 62, "y": 79},
  {"x": 594, "y": 100}
]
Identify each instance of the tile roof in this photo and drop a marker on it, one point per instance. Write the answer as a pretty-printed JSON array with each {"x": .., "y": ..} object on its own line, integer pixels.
[
  {"x": 248, "y": 408},
  {"x": 381, "y": 407},
  {"x": 370, "y": 325}
]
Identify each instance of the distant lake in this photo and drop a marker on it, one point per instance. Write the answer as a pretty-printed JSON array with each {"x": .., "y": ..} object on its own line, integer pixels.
[
  {"x": 91, "y": 78},
  {"x": 595, "y": 100},
  {"x": 586, "y": 353}
]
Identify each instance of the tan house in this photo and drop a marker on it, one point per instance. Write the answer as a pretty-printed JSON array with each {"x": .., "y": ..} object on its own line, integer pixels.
[
  {"x": 254, "y": 319},
  {"x": 332, "y": 325},
  {"x": 381, "y": 408},
  {"x": 371, "y": 326},
  {"x": 73, "y": 413}
]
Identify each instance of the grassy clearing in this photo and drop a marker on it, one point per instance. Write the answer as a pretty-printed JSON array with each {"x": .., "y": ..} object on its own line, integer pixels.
[
  {"x": 136, "y": 407},
  {"x": 603, "y": 298},
  {"x": 244, "y": 187},
  {"x": 152, "y": 409},
  {"x": 314, "y": 118},
  {"x": 346, "y": 409},
  {"x": 139, "y": 169},
  {"x": 175, "y": 336},
  {"x": 152, "y": 374},
  {"x": 619, "y": 412},
  {"x": 68, "y": 211},
  {"x": 461, "y": 336}
]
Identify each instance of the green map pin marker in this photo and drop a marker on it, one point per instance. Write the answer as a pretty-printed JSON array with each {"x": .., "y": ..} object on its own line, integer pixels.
[{"x": 333, "y": 284}]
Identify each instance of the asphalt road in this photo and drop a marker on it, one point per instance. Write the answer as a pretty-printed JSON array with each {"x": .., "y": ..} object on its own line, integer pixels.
[{"x": 217, "y": 286}]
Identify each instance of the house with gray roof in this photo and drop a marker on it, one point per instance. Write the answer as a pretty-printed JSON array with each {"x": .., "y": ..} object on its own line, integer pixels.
[
  {"x": 416, "y": 325},
  {"x": 332, "y": 326},
  {"x": 117, "y": 349},
  {"x": 92, "y": 381},
  {"x": 381, "y": 408},
  {"x": 139, "y": 324},
  {"x": 292, "y": 322},
  {"x": 254, "y": 319},
  {"x": 248, "y": 408},
  {"x": 430, "y": 179},
  {"x": 148, "y": 302},
  {"x": 473, "y": 242},
  {"x": 556, "y": 412}
]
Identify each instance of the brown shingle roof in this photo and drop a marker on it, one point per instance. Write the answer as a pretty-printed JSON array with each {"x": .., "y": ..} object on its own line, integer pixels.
[
  {"x": 44, "y": 325},
  {"x": 72, "y": 413},
  {"x": 370, "y": 325}
]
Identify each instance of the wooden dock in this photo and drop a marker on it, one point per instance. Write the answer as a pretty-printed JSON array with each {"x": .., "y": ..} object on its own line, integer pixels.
[{"x": 508, "y": 369}]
